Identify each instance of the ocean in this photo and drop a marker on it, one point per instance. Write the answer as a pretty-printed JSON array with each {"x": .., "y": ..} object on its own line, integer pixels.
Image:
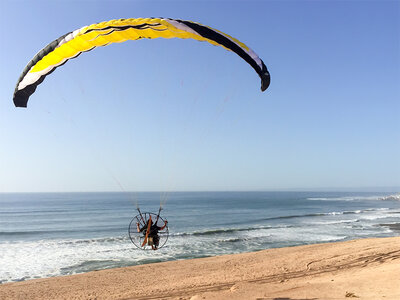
[{"x": 53, "y": 234}]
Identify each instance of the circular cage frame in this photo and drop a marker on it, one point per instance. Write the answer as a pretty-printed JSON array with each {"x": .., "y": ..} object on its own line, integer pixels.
[{"x": 137, "y": 238}]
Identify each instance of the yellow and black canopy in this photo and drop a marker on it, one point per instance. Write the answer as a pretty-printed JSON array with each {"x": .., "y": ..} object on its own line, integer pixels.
[{"x": 87, "y": 38}]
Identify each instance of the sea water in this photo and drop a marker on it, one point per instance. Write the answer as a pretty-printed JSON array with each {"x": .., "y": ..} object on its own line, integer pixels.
[{"x": 52, "y": 234}]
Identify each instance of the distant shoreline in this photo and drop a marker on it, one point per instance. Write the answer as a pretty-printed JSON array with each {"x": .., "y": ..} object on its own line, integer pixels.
[{"x": 385, "y": 190}]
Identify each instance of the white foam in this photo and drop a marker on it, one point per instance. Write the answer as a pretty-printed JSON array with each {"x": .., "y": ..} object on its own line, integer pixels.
[
  {"x": 345, "y": 198},
  {"x": 377, "y": 216},
  {"x": 28, "y": 260},
  {"x": 395, "y": 197},
  {"x": 333, "y": 222}
]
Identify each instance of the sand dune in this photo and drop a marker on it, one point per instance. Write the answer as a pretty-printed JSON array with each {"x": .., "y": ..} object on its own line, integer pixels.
[{"x": 363, "y": 269}]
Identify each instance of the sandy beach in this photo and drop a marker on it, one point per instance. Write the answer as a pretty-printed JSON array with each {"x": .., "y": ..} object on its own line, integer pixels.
[{"x": 364, "y": 269}]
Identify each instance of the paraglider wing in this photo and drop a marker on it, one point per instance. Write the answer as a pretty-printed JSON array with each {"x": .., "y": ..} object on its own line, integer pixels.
[{"x": 87, "y": 38}]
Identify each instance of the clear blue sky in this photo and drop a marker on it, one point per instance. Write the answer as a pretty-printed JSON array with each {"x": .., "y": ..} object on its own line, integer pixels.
[{"x": 159, "y": 115}]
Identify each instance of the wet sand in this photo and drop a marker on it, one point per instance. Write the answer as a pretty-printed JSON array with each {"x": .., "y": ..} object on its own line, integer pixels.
[{"x": 358, "y": 269}]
